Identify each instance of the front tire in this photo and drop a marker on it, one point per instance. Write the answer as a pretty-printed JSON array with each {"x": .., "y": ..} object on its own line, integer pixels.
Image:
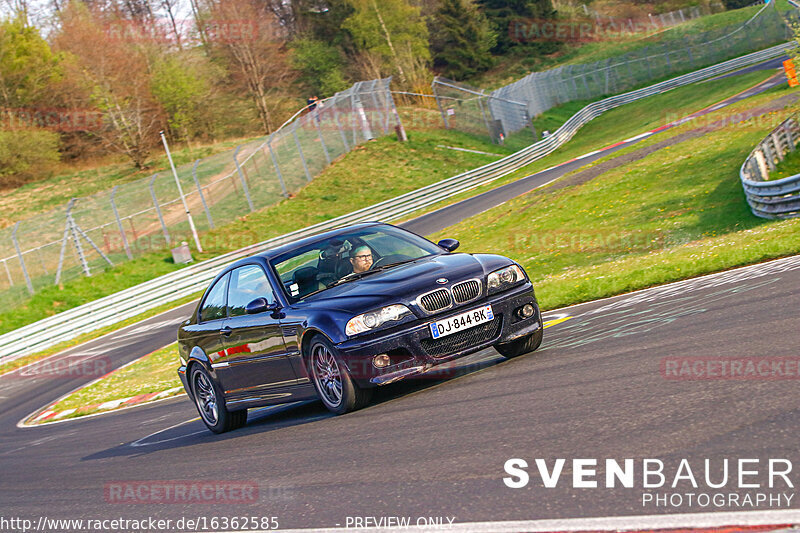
[
  {"x": 523, "y": 345},
  {"x": 210, "y": 403},
  {"x": 335, "y": 387}
]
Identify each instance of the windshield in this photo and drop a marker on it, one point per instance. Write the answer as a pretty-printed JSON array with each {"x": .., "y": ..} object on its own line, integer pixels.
[{"x": 328, "y": 262}]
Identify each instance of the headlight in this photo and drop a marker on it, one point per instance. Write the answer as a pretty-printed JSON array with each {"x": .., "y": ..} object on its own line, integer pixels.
[
  {"x": 504, "y": 278},
  {"x": 375, "y": 319}
]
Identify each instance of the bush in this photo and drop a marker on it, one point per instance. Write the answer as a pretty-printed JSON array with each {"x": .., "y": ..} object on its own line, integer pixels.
[{"x": 25, "y": 155}]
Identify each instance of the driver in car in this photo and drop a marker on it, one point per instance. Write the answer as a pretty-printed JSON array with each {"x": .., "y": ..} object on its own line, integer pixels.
[{"x": 361, "y": 259}]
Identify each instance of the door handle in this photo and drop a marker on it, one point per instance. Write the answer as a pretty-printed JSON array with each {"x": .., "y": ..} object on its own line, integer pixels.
[{"x": 226, "y": 331}]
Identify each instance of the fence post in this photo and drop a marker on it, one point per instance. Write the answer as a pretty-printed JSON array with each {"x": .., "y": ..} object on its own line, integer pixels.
[
  {"x": 585, "y": 82},
  {"x": 64, "y": 241},
  {"x": 401, "y": 131},
  {"x": 119, "y": 224},
  {"x": 202, "y": 196},
  {"x": 78, "y": 247},
  {"x": 158, "y": 208},
  {"x": 241, "y": 178},
  {"x": 83, "y": 234},
  {"x": 317, "y": 121},
  {"x": 21, "y": 260},
  {"x": 300, "y": 151},
  {"x": 378, "y": 109},
  {"x": 358, "y": 107},
  {"x": 341, "y": 131},
  {"x": 439, "y": 104},
  {"x": 485, "y": 119},
  {"x": 41, "y": 260},
  {"x": 277, "y": 168},
  {"x": 8, "y": 273}
]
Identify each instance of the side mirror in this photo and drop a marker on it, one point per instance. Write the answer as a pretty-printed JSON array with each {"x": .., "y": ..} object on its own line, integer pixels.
[
  {"x": 449, "y": 244},
  {"x": 260, "y": 305}
]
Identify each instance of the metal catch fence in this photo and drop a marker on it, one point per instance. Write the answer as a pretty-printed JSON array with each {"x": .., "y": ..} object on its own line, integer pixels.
[
  {"x": 89, "y": 234},
  {"x": 778, "y": 198},
  {"x": 509, "y": 109}
]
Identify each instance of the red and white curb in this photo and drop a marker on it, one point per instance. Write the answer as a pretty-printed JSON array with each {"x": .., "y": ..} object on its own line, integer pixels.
[{"x": 50, "y": 414}]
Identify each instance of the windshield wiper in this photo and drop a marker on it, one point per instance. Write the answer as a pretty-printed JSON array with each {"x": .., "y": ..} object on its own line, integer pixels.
[
  {"x": 358, "y": 275},
  {"x": 353, "y": 275}
]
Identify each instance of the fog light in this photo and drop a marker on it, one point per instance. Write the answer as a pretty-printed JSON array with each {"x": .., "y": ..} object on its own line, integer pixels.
[
  {"x": 526, "y": 311},
  {"x": 381, "y": 361}
]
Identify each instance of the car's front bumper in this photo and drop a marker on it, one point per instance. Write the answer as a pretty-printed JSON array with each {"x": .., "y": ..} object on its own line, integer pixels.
[{"x": 413, "y": 351}]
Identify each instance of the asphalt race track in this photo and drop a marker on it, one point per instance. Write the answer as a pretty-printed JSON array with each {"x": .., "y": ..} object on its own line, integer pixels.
[
  {"x": 597, "y": 389},
  {"x": 602, "y": 386}
]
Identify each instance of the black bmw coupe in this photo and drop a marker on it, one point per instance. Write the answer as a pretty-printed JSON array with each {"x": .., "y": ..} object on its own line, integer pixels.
[{"x": 337, "y": 314}]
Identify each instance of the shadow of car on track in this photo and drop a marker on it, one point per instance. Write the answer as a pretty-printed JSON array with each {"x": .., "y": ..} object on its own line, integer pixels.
[{"x": 192, "y": 432}]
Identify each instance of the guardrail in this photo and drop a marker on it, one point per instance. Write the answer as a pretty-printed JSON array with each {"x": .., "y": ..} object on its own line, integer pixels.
[
  {"x": 777, "y": 198},
  {"x": 176, "y": 285}
]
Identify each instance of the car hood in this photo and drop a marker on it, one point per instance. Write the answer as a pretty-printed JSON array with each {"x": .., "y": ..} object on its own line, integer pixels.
[{"x": 403, "y": 283}]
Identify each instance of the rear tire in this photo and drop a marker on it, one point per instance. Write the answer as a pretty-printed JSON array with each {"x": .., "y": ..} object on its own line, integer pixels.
[
  {"x": 523, "y": 345},
  {"x": 210, "y": 403},
  {"x": 337, "y": 390}
]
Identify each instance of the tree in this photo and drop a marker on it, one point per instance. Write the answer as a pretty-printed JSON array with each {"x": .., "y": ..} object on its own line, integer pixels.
[
  {"x": 395, "y": 31},
  {"x": 502, "y": 12},
  {"x": 183, "y": 91},
  {"x": 323, "y": 21},
  {"x": 258, "y": 60},
  {"x": 321, "y": 65},
  {"x": 116, "y": 75},
  {"x": 461, "y": 39},
  {"x": 28, "y": 67}
]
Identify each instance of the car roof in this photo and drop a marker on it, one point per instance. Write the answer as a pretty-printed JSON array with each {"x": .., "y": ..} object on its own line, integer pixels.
[{"x": 275, "y": 252}]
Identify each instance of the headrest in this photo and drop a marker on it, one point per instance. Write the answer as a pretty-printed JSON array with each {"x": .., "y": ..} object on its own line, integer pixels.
[{"x": 305, "y": 275}]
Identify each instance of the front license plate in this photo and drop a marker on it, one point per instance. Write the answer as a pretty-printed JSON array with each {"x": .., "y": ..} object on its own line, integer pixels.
[{"x": 463, "y": 321}]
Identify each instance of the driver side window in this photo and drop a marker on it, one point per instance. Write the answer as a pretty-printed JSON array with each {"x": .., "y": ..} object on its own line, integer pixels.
[{"x": 247, "y": 283}]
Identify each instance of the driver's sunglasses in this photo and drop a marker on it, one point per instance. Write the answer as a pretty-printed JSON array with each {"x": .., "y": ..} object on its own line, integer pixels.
[{"x": 363, "y": 257}]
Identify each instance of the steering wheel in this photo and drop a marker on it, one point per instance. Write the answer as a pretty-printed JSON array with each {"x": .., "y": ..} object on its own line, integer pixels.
[{"x": 388, "y": 259}]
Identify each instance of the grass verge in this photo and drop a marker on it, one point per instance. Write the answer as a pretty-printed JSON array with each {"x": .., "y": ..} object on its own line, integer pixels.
[{"x": 152, "y": 373}]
